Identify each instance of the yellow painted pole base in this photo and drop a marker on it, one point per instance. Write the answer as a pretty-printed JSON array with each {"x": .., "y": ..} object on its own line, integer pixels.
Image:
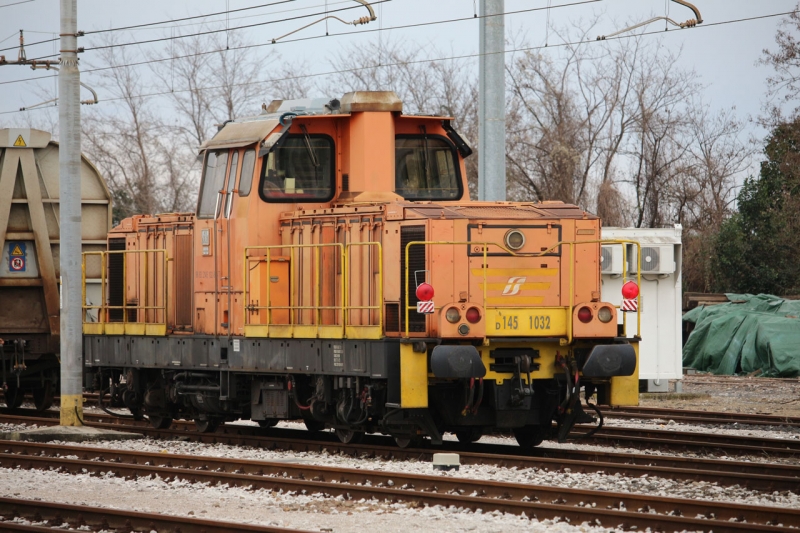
[{"x": 72, "y": 410}]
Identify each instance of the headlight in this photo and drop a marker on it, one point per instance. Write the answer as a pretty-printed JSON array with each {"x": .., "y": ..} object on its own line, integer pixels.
[
  {"x": 452, "y": 315},
  {"x": 515, "y": 239},
  {"x": 605, "y": 314}
]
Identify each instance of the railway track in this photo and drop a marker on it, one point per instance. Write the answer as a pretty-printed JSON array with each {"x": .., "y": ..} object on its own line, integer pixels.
[
  {"x": 638, "y": 438},
  {"x": 753, "y": 475},
  {"x": 41, "y": 517},
  {"x": 699, "y": 417},
  {"x": 542, "y": 502}
]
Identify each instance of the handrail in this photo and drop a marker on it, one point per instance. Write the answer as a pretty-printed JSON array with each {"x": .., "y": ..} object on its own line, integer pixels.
[
  {"x": 104, "y": 308},
  {"x": 379, "y": 298},
  {"x": 571, "y": 244},
  {"x": 291, "y": 307},
  {"x": 344, "y": 307}
]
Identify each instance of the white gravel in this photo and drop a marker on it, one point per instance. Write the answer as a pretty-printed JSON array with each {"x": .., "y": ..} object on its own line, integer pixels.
[{"x": 317, "y": 513}]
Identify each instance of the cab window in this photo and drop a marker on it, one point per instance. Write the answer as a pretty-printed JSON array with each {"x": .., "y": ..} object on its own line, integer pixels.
[
  {"x": 213, "y": 182},
  {"x": 301, "y": 169},
  {"x": 426, "y": 168}
]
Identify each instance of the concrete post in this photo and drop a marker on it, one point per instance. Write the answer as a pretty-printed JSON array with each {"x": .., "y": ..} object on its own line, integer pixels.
[
  {"x": 69, "y": 159},
  {"x": 492, "y": 105}
]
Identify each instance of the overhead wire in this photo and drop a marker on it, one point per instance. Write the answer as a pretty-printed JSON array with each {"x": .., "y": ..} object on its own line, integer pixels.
[
  {"x": 246, "y": 26},
  {"x": 149, "y": 25},
  {"x": 183, "y": 19},
  {"x": 429, "y": 60},
  {"x": 300, "y": 39},
  {"x": 16, "y": 3}
]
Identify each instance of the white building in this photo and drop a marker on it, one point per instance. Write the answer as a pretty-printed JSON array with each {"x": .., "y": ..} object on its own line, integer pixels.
[{"x": 660, "y": 350}]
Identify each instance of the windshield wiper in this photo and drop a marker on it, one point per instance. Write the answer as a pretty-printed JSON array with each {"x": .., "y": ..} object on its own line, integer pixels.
[{"x": 311, "y": 153}]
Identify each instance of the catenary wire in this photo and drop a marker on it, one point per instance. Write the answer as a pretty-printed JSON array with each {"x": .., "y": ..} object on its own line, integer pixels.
[
  {"x": 340, "y": 34},
  {"x": 159, "y": 23},
  {"x": 16, "y": 3},
  {"x": 299, "y": 39},
  {"x": 451, "y": 58},
  {"x": 208, "y": 32}
]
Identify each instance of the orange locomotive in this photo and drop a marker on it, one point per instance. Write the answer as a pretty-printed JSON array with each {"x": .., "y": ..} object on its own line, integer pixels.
[{"x": 337, "y": 272}]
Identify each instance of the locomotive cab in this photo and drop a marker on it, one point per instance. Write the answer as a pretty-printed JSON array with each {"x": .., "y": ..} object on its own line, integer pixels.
[{"x": 336, "y": 271}]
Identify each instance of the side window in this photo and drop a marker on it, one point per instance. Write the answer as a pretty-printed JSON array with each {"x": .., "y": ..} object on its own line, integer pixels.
[
  {"x": 248, "y": 167},
  {"x": 300, "y": 170},
  {"x": 213, "y": 181},
  {"x": 426, "y": 168}
]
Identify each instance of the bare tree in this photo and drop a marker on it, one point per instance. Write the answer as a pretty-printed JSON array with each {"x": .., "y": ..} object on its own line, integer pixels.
[{"x": 147, "y": 169}]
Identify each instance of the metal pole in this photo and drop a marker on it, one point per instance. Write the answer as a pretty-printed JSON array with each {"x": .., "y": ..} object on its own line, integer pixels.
[
  {"x": 69, "y": 159},
  {"x": 492, "y": 104}
]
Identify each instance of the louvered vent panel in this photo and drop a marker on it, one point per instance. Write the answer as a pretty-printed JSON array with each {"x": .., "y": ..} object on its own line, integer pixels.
[
  {"x": 116, "y": 281},
  {"x": 183, "y": 281},
  {"x": 416, "y": 261}
]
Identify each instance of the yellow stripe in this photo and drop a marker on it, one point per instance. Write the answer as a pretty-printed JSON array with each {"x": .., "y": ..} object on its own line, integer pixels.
[
  {"x": 543, "y": 286},
  {"x": 508, "y": 300},
  {"x": 509, "y": 272},
  {"x": 71, "y": 409}
]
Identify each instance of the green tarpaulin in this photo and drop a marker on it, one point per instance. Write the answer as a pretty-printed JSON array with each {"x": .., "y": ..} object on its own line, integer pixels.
[{"x": 747, "y": 334}]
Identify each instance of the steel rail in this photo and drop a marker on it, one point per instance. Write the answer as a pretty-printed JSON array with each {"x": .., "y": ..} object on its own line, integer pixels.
[
  {"x": 112, "y": 519},
  {"x": 686, "y": 440},
  {"x": 700, "y": 417},
  {"x": 639, "y": 510},
  {"x": 753, "y": 475}
]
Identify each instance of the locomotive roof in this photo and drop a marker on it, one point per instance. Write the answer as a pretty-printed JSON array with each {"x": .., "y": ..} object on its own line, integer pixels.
[{"x": 253, "y": 129}]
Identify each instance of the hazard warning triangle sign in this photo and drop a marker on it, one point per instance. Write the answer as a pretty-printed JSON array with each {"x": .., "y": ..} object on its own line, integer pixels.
[
  {"x": 20, "y": 142},
  {"x": 17, "y": 250}
]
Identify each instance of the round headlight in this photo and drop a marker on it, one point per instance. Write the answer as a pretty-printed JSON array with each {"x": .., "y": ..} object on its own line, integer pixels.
[
  {"x": 452, "y": 315},
  {"x": 605, "y": 314},
  {"x": 515, "y": 239},
  {"x": 463, "y": 329}
]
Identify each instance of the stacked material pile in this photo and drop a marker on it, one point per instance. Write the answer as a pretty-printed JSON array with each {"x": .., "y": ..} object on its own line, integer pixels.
[{"x": 748, "y": 335}]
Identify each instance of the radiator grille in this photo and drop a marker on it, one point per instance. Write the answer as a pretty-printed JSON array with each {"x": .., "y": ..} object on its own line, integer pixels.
[
  {"x": 183, "y": 281},
  {"x": 116, "y": 281},
  {"x": 416, "y": 261}
]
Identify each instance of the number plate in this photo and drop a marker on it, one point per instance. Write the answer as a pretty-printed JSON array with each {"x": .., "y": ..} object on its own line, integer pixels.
[{"x": 530, "y": 322}]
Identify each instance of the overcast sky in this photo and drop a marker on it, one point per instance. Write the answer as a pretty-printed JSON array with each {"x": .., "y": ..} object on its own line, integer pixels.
[{"x": 723, "y": 55}]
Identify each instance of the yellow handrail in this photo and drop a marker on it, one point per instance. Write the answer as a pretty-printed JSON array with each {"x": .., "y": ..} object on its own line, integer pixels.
[
  {"x": 379, "y": 299},
  {"x": 291, "y": 307},
  {"x": 104, "y": 308}
]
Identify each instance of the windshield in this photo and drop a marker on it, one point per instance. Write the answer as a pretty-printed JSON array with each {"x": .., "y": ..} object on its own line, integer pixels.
[
  {"x": 431, "y": 174},
  {"x": 299, "y": 170}
]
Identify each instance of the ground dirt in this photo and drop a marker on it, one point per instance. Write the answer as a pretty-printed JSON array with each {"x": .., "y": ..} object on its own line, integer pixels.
[{"x": 738, "y": 394}]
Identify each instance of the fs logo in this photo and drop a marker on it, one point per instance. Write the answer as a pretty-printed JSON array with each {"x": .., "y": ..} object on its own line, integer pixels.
[{"x": 514, "y": 284}]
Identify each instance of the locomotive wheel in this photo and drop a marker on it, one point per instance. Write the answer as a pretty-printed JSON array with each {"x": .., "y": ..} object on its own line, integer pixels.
[
  {"x": 43, "y": 396},
  {"x": 347, "y": 436},
  {"x": 530, "y": 436},
  {"x": 468, "y": 435},
  {"x": 314, "y": 425},
  {"x": 160, "y": 422},
  {"x": 209, "y": 425},
  {"x": 408, "y": 441},
  {"x": 14, "y": 397},
  {"x": 268, "y": 423}
]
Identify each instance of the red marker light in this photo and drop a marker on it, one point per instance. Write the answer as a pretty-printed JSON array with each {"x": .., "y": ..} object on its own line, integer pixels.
[
  {"x": 630, "y": 290},
  {"x": 473, "y": 315},
  {"x": 585, "y": 315},
  {"x": 424, "y": 292}
]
